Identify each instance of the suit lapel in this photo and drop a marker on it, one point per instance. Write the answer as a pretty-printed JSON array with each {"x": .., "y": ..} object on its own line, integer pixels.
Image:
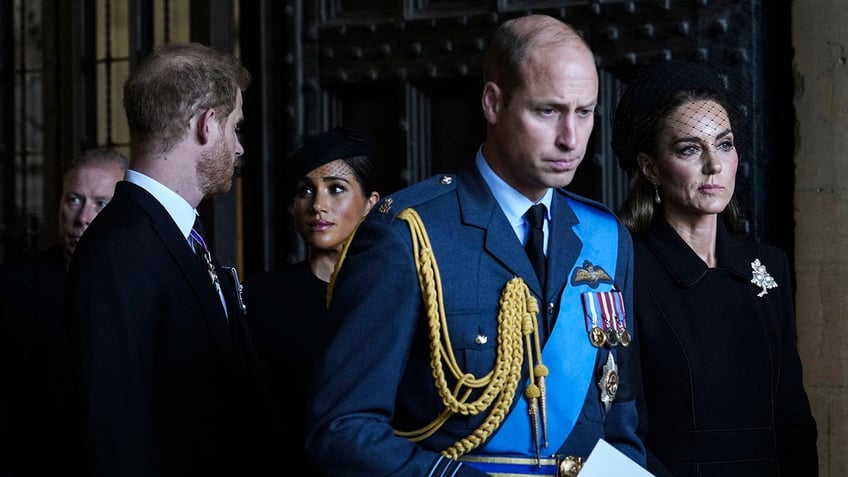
[
  {"x": 198, "y": 278},
  {"x": 192, "y": 269}
]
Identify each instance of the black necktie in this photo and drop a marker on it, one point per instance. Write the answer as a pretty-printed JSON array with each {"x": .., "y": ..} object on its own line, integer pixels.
[{"x": 535, "y": 245}]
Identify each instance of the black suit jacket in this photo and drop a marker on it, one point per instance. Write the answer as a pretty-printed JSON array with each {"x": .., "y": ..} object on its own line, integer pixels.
[
  {"x": 167, "y": 385},
  {"x": 32, "y": 372}
]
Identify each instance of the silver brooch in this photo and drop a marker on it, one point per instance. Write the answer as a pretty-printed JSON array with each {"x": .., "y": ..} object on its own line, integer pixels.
[{"x": 762, "y": 278}]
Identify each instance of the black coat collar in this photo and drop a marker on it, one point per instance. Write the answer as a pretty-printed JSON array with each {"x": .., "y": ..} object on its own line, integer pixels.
[{"x": 684, "y": 265}]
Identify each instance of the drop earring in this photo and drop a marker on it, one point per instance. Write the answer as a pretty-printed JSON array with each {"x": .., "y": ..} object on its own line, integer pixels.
[{"x": 657, "y": 199}]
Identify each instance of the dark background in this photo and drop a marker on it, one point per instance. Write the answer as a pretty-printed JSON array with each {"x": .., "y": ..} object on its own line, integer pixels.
[{"x": 407, "y": 72}]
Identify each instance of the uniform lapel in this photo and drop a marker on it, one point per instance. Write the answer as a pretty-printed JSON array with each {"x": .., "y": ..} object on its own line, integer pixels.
[
  {"x": 563, "y": 245},
  {"x": 480, "y": 209}
]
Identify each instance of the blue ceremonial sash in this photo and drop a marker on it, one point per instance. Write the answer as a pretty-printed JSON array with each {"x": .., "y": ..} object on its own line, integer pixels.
[{"x": 568, "y": 353}]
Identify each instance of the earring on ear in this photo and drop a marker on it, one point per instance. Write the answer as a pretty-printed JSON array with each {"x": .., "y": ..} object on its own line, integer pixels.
[{"x": 657, "y": 199}]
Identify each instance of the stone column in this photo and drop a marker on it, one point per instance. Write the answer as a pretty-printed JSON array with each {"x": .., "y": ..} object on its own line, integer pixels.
[{"x": 821, "y": 218}]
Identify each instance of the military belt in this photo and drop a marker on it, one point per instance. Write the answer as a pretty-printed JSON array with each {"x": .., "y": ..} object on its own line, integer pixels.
[{"x": 500, "y": 466}]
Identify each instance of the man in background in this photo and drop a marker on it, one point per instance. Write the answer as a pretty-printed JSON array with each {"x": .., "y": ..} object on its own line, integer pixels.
[
  {"x": 31, "y": 344},
  {"x": 86, "y": 188}
]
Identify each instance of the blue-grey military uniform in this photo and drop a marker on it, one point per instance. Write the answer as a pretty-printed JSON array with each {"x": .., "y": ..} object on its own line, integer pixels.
[{"x": 375, "y": 377}]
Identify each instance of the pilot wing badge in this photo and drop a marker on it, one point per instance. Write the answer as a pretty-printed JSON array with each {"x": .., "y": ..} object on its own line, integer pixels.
[{"x": 591, "y": 275}]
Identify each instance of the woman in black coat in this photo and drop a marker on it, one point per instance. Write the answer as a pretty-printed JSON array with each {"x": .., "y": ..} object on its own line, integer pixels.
[
  {"x": 335, "y": 175},
  {"x": 724, "y": 394}
]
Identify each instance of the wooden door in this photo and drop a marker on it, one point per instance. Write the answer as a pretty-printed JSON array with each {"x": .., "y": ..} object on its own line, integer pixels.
[{"x": 408, "y": 72}]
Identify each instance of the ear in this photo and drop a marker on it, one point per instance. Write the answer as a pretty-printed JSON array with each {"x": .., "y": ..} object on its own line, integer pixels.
[
  {"x": 492, "y": 101},
  {"x": 372, "y": 199},
  {"x": 206, "y": 121},
  {"x": 648, "y": 166}
]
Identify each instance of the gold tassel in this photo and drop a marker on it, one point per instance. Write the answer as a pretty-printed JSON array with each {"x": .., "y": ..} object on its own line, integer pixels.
[
  {"x": 541, "y": 372},
  {"x": 532, "y": 393}
]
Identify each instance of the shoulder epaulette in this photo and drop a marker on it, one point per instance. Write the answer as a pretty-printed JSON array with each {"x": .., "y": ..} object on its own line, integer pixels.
[{"x": 415, "y": 194}]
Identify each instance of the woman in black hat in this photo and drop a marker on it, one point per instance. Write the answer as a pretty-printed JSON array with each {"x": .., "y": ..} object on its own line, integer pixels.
[
  {"x": 724, "y": 393},
  {"x": 335, "y": 187}
]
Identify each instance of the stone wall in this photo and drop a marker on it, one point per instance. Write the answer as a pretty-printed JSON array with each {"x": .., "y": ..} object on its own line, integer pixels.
[{"x": 820, "y": 40}]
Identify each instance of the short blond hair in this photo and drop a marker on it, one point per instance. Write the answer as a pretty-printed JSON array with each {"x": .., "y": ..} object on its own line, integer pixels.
[{"x": 174, "y": 83}]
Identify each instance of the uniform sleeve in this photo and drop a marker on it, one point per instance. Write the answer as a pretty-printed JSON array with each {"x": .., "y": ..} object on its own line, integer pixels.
[{"x": 373, "y": 317}]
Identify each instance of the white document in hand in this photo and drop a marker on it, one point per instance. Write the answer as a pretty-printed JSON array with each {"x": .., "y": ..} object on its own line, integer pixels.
[{"x": 605, "y": 460}]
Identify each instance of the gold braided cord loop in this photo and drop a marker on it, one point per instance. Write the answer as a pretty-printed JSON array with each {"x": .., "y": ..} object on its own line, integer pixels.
[{"x": 516, "y": 320}]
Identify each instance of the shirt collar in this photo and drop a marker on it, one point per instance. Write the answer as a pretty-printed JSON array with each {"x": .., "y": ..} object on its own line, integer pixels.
[
  {"x": 180, "y": 211},
  {"x": 513, "y": 203}
]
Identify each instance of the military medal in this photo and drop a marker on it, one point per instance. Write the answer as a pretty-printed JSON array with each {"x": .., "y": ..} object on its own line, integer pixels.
[
  {"x": 239, "y": 287},
  {"x": 609, "y": 382},
  {"x": 207, "y": 258},
  {"x": 623, "y": 334},
  {"x": 596, "y": 335},
  {"x": 607, "y": 313},
  {"x": 624, "y": 337}
]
